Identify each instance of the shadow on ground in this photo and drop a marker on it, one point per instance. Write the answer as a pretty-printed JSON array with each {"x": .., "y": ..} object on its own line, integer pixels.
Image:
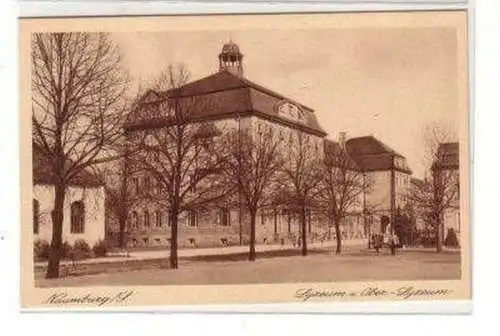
[{"x": 77, "y": 270}]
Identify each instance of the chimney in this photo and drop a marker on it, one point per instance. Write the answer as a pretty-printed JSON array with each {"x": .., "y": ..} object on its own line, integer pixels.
[{"x": 342, "y": 138}]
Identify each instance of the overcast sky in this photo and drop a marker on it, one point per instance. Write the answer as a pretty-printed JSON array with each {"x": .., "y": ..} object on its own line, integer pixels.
[{"x": 388, "y": 82}]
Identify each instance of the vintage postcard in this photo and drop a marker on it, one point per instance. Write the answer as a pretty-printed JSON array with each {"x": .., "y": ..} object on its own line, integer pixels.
[{"x": 243, "y": 159}]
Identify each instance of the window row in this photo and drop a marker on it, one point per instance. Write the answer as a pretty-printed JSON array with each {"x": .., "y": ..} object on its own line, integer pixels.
[
  {"x": 145, "y": 185},
  {"x": 157, "y": 217},
  {"x": 223, "y": 217},
  {"x": 77, "y": 217},
  {"x": 146, "y": 219}
]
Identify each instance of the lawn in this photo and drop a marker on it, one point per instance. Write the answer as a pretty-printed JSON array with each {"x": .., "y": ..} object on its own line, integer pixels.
[{"x": 273, "y": 267}]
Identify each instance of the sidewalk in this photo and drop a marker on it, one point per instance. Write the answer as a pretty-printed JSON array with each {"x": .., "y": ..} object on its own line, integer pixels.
[{"x": 159, "y": 254}]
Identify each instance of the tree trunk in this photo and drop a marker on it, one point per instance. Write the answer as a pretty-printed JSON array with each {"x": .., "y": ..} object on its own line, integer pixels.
[
  {"x": 275, "y": 222},
  {"x": 439, "y": 234},
  {"x": 339, "y": 236},
  {"x": 330, "y": 224},
  {"x": 121, "y": 235},
  {"x": 309, "y": 224},
  {"x": 174, "y": 219},
  {"x": 240, "y": 223},
  {"x": 251, "y": 254},
  {"x": 303, "y": 222},
  {"x": 57, "y": 226},
  {"x": 289, "y": 222}
]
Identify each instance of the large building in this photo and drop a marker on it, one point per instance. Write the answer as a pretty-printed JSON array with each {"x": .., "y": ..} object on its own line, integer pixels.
[
  {"x": 232, "y": 102},
  {"x": 84, "y": 208},
  {"x": 387, "y": 178}
]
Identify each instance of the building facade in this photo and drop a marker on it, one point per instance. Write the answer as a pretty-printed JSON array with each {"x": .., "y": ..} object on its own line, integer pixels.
[
  {"x": 226, "y": 102},
  {"x": 84, "y": 208}
]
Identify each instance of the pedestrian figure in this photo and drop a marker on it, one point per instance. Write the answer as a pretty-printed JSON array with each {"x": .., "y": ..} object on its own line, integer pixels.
[
  {"x": 377, "y": 242},
  {"x": 393, "y": 242}
]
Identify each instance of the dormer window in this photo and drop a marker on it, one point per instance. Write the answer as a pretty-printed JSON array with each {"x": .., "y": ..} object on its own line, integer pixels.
[
  {"x": 291, "y": 111},
  {"x": 300, "y": 116}
]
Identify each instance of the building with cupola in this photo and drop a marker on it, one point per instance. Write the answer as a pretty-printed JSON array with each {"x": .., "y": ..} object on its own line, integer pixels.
[{"x": 233, "y": 102}]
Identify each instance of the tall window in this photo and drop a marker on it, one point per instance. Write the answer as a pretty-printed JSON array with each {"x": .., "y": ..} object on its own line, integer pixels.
[
  {"x": 154, "y": 186},
  {"x": 224, "y": 217},
  {"x": 193, "y": 218},
  {"x": 158, "y": 218},
  {"x": 136, "y": 186},
  {"x": 134, "y": 220},
  {"x": 147, "y": 185},
  {"x": 146, "y": 219},
  {"x": 36, "y": 216},
  {"x": 77, "y": 217}
]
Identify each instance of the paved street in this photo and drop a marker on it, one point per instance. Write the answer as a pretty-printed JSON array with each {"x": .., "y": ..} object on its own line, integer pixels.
[{"x": 319, "y": 266}]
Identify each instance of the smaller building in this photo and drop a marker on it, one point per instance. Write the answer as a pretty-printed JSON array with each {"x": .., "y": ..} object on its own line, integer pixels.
[
  {"x": 356, "y": 224},
  {"x": 389, "y": 174},
  {"x": 445, "y": 170},
  {"x": 83, "y": 206}
]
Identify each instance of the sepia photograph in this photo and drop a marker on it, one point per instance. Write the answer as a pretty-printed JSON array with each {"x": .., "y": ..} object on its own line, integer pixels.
[{"x": 272, "y": 158}]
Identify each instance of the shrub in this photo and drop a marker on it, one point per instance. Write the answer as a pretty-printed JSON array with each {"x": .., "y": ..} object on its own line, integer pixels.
[
  {"x": 100, "y": 248},
  {"x": 66, "y": 250},
  {"x": 451, "y": 238},
  {"x": 80, "y": 250},
  {"x": 41, "y": 249}
]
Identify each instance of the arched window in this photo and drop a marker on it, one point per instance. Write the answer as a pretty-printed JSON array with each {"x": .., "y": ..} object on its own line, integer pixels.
[
  {"x": 134, "y": 220},
  {"x": 36, "y": 216},
  {"x": 146, "y": 218},
  {"x": 77, "y": 217},
  {"x": 158, "y": 218}
]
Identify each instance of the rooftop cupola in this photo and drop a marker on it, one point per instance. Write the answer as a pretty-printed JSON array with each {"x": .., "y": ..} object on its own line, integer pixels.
[{"x": 231, "y": 59}]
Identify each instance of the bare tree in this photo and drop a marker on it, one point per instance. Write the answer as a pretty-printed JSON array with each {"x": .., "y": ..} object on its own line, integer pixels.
[
  {"x": 301, "y": 178},
  {"x": 175, "y": 150},
  {"x": 78, "y": 89},
  {"x": 119, "y": 170},
  {"x": 342, "y": 187},
  {"x": 251, "y": 160},
  {"x": 120, "y": 197},
  {"x": 436, "y": 194}
]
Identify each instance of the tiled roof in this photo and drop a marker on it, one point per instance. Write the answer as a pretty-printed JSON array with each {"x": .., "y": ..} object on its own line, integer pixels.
[
  {"x": 368, "y": 145},
  {"x": 224, "y": 95},
  {"x": 448, "y": 156},
  {"x": 42, "y": 173},
  {"x": 230, "y": 47},
  {"x": 372, "y": 154}
]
